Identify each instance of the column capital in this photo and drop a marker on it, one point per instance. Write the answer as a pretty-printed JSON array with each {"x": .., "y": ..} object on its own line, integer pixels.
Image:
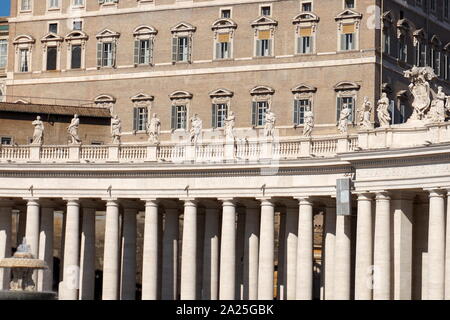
[
  {"x": 189, "y": 202},
  {"x": 304, "y": 200},
  {"x": 382, "y": 195},
  {"x": 72, "y": 201},
  {"x": 436, "y": 192},
  {"x": 365, "y": 196},
  {"x": 32, "y": 201},
  {"x": 111, "y": 202},
  {"x": 266, "y": 201},
  {"x": 227, "y": 201},
  {"x": 151, "y": 202}
]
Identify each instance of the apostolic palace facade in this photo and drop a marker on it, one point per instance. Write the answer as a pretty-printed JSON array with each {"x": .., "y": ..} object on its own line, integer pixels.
[{"x": 184, "y": 149}]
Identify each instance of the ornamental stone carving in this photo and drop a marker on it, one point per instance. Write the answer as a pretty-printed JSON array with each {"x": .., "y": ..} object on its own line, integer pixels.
[
  {"x": 154, "y": 129},
  {"x": 72, "y": 129},
  {"x": 382, "y": 110},
  {"x": 269, "y": 126},
  {"x": 116, "y": 129},
  {"x": 38, "y": 134},
  {"x": 229, "y": 126},
  {"x": 308, "y": 124},
  {"x": 365, "y": 113},
  {"x": 196, "y": 129},
  {"x": 438, "y": 107},
  {"x": 420, "y": 90},
  {"x": 344, "y": 117}
]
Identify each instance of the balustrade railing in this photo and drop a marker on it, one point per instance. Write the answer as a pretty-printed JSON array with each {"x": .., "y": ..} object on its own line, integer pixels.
[
  {"x": 55, "y": 153},
  {"x": 14, "y": 152},
  {"x": 133, "y": 152},
  {"x": 93, "y": 153}
]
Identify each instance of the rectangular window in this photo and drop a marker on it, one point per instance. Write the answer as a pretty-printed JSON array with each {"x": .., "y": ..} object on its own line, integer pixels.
[
  {"x": 6, "y": 141},
  {"x": 265, "y": 10},
  {"x": 349, "y": 4},
  {"x": 52, "y": 53},
  {"x": 436, "y": 61},
  {"x": 219, "y": 114},
  {"x": 421, "y": 54},
  {"x": 78, "y": 2},
  {"x": 144, "y": 51},
  {"x": 25, "y": 5},
  {"x": 402, "y": 50},
  {"x": 53, "y": 27},
  {"x": 306, "y": 6},
  {"x": 259, "y": 110},
  {"x": 3, "y": 53},
  {"x": 225, "y": 13},
  {"x": 179, "y": 114},
  {"x": 350, "y": 101},
  {"x": 76, "y": 57},
  {"x": 23, "y": 60},
  {"x": 386, "y": 41},
  {"x": 348, "y": 37},
  {"x": 106, "y": 54},
  {"x": 447, "y": 66},
  {"x": 223, "y": 46},
  {"x": 53, "y": 4},
  {"x": 140, "y": 119},
  {"x": 181, "y": 49},
  {"x": 300, "y": 107},
  {"x": 77, "y": 25},
  {"x": 305, "y": 41},
  {"x": 264, "y": 44}
]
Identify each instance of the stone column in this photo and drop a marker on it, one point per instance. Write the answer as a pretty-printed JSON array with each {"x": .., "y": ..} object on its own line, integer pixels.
[
  {"x": 32, "y": 229},
  {"x": 150, "y": 252},
  {"x": 291, "y": 251},
  {"x": 111, "y": 264},
  {"x": 281, "y": 274},
  {"x": 211, "y": 255},
  {"x": 266, "y": 251},
  {"x": 45, "y": 277},
  {"x": 128, "y": 267},
  {"x": 240, "y": 232},
  {"x": 87, "y": 252},
  {"x": 364, "y": 248},
  {"x": 382, "y": 248},
  {"x": 170, "y": 255},
  {"x": 228, "y": 251},
  {"x": 447, "y": 250},
  {"x": 305, "y": 250},
  {"x": 251, "y": 253},
  {"x": 403, "y": 246},
  {"x": 71, "y": 270},
  {"x": 5, "y": 240},
  {"x": 22, "y": 226},
  {"x": 342, "y": 258},
  {"x": 189, "y": 251},
  {"x": 436, "y": 246},
  {"x": 330, "y": 237}
]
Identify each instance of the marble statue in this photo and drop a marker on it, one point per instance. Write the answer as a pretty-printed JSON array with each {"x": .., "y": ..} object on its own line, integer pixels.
[
  {"x": 72, "y": 129},
  {"x": 229, "y": 126},
  {"x": 344, "y": 117},
  {"x": 420, "y": 89},
  {"x": 308, "y": 124},
  {"x": 196, "y": 128},
  {"x": 154, "y": 129},
  {"x": 116, "y": 129},
  {"x": 382, "y": 110},
  {"x": 38, "y": 134},
  {"x": 438, "y": 108},
  {"x": 269, "y": 126},
  {"x": 365, "y": 113}
]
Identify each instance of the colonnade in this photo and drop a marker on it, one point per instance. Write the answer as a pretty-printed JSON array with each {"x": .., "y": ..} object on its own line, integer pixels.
[{"x": 228, "y": 247}]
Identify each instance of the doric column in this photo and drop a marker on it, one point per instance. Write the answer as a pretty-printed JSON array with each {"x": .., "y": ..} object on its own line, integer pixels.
[
  {"x": 266, "y": 250},
  {"x": 200, "y": 238},
  {"x": 364, "y": 248},
  {"x": 32, "y": 229},
  {"x": 45, "y": 277},
  {"x": 281, "y": 274},
  {"x": 290, "y": 264},
  {"x": 251, "y": 252},
  {"x": 128, "y": 267},
  {"x": 189, "y": 251},
  {"x": 111, "y": 252},
  {"x": 342, "y": 259},
  {"x": 211, "y": 258},
  {"x": 447, "y": 250},
  {"x": 382, "y": 248},
  {"x": 403, "y": 245},
  {"x": 305, "y": 250},
  {"x": 150, "y": 252},
  {"x": 170, "y": 255},
  {"x": 330, "y": 237},
  {"x": 436, "y": 246},
  {"x": 228, "y": 251},
  {"x": 71, "y": 269},
  {"x": 87, "y": 252},
  {"x": 5, "y": 240},
  {"x": 240, "y": 232}
]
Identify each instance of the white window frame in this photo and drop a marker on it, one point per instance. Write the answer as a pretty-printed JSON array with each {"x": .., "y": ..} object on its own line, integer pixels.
[
  {"x": 302, "y": 92},
  {"x": 346, "y": 90},
  {"x": 53, "y": 9},
  {"x": 264, "y": 23},
  {"x": 182, "y": 30},
  {"x": 76, "y": 5},
  {"x": 306, "y": 1},
  {"x": 51, "y": 40},
  {"x": 143, "y": 33},
  {"x": 220, "y": 97},
  {"x": 260, "y": 94},
  {"x": 226, "y": 8},
  {"x": 5, "y": 41},
  {"x": 305, "y": 20},
  {"x": 179, "y": 99},
  {"x": 107, "y": 36},
  {"x": 345, "y": 8},
  {"x": 265, "y": 5},
  {"x": 27, "y": 10},
  {"x": 74, "y": 38},
  {"x": 23, "y": 42},
  {"x": 223, "y": 26},
  {"x": 348, "y": 17}
]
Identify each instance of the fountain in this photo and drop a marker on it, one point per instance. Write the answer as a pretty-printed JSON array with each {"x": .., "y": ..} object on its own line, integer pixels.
[{"x": 22, "y": 266}]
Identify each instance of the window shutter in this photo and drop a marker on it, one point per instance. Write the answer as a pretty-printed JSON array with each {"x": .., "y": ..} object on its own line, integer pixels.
[
  {"x": 258, "y": 48},
  {"x": 214, "y": 115},
  {"x": 135, "y": 119},
  {"x": 270, "y": 46},
  {"x": 392, "y": 111},
  {"x": 174, "y": 117},
  {"x": 150, "y": 51},
  {"x": 338, "y": 108},
  {"x": 174, "y": 49},
  {"x": 136, "y": 52},
  {"x": 296, "y": 111},
  {"x": 218, "y": 56},
  {"x": 254, "y": 114},
  {"x": 99, "y": 54},
  {"x": 189, "y": 46},
  {"x": 299, "y": 45},
  {"x": 343, "y": 42},
  {"x": 311, "y": 44},
  {"x": 113, "y": 50}
]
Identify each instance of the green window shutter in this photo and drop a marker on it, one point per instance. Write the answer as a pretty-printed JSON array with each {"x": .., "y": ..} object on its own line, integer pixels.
[
  {"x": 342, "y": 42},
  {"x": 113, "y": 50},
  {"x": 270, "y": 41},
  {"x": 296, "y": 112},
  {"x": 174, "y": 49},
  {"x": 136, "y": 52},
  {"x": 150, "y": 51},
  {"x": 214, "y": 115},
  {"x": 254, "y": 114},
  {"x": 99, "y": 54},
  {"x": 189, "y": 46},
  {"x": 184, "y": 117},
  {"x": 299, "y": 45},
  {"x": 258, "y": 48},
  {"x": 174, "y": 118},
  {"x": 311, "y": 44},
  {"x": 218, "y": 50},
  {"x": 135, "y": 119},
  {"x": 338, "y": 108}
]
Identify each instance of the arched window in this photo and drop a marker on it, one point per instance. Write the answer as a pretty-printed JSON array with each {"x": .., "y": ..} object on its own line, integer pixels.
[
  {"x": 305, "y": 32},
  {"x": 23, "y": 46},
  {"x": 144, "y": 39},
  {"x": 181, "y": 101},
  {"x": 182, "y": 35},
  {"x": 346, "y": 94},
  {"x": 264, "y": 32},
  {"x": 261, "y": 103},
  {"x": 303, "y": 102},
  {"x": 220, "y": 101},
  {"x": 142, "y": 106},
  {"x": 223, "y": 38},
  {"x": 107, "y": 48},
  {"x": 105, "y": 101},
  {"x": 76, "y": 48},
  {"x": 348, "y": 30}
]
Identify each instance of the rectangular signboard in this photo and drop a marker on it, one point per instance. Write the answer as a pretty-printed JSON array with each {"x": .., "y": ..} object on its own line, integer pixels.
[{"x": 343, "y": 197}]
